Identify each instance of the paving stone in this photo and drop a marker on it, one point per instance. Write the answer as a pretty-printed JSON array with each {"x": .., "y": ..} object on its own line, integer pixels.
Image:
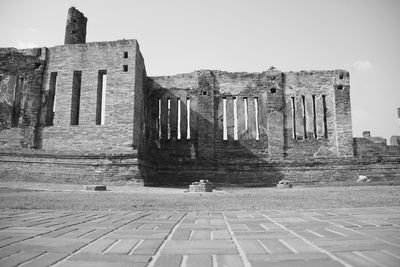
[
  {"x": 98, "y": 246},
  {"x": 138, "y": 234},
  {"x": 199, "y": 247},
  {"x": 110, "y": 258},
  {"x": 200, "y": 235},
  {"x": 19, "y": 258},
  {"x": 94, "y": 239},
  {"x": 6, "y": 253},
  {"x": 229, "y": 261},
  {"x": 299, "y": 263},
  {"x": 262, "y": 234},
  {"x": 123, "y": 246},
  {"x": 181, "y": 234},
  {"x": 199, "y": 260},
  {"x": 100, "y": 264},
  {"x": 274, "y": 246},
  {"x": 354, "y": 259},
  {"x": 148, "y": 247},
  {"x": 251, "y": 246},
  {"x": 168, "y": 261},
  {"x": 220, "y": 235},
  {"x": 299, "y": 246},
  {"x": 380, "y": 257},
  {"x": 46, "y": 259}
]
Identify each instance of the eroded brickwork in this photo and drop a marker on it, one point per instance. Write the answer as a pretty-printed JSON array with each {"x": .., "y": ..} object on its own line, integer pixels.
[
  {"x": 21, "y": 73},
  {"x": 271, "y": 115},
  {"x": 95, "y": 116},
  {"x": 92, "y": 60},
  {"x": 75, "y": 30}
]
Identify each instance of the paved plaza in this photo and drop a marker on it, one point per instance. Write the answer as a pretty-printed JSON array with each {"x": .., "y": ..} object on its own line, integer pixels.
[{"x": 331, "y": 237}]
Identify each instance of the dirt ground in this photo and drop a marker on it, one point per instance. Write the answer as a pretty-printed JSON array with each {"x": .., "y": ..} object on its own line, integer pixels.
[{"x": 18, "y": 195}]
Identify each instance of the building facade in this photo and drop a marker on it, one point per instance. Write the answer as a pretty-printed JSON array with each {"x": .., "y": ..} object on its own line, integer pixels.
[{"x": 91, "y": 106}]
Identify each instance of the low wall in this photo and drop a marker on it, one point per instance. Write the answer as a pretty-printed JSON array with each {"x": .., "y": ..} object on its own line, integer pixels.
[
  {"x": 384, "y": 170},
  {"x": 82, "y": 168},
  {"x": 125, "y": 168}
]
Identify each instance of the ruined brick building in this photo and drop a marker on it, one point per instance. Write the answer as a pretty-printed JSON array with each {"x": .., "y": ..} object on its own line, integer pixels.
[{"x": 88, "y": 112}]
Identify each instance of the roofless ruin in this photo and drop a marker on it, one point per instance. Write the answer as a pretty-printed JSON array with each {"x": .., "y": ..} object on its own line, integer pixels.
[{"x": 87, "y": 112}]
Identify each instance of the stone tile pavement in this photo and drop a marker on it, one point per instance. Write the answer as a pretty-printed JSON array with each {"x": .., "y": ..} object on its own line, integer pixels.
[{"x": 332, "y": 237}]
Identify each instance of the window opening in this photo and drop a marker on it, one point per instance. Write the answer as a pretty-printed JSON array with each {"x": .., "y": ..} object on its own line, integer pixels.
[
  {"x": 169, "y": 118},
  {"x": 125, "y": 68},
  {"x": 314, "y": 117},
  {"x": 224, "y": 124},
  {"x": 256, "y": 118},
  {"x": 76, "y": 97},
  {"x": 16, "y": 112},
  {"x": 159, "y": 119},
  {"x": 294, "y": 117},
  {"x": 125, "y": 54},
  {"x": 51, "y": 104},
  {"x": 188, "y": 118},
  {"x": 246, "y": 126},
  {"x": 101, "y": 97},
  {"x": 179, "y": 119},
  {"x": 325, "y": 116},
  {"x": 304, "y": 117},
  {"x": 235, "y": 121}
]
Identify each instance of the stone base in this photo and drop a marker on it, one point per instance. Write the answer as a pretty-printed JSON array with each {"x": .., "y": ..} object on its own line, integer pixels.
[
  {"x": 202, "y": 186},
  {"x": 284, "y": 185},
  {"x": 96, "y": 188}
]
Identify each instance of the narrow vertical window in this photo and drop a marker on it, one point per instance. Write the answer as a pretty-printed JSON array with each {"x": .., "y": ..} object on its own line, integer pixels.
[
  {"x": 256, "y": 118},
  {"x": 303, "y": 98},
  {"x": 314, "y": 117},
  {"x": 159, "y": 119},
  {"x": 235, "y": 121},
  {"x": 76, "y": 97},
  {"x": 325, "y": 116},
  {"x": 246, "y": 126},
  {"x": 169, "y": 118},
  {"x": 294, "y": 118},
  {"x": 51, "y": 100},
  {"x": 16, "y": 111},
  {"x": 179, "y": 119},
  {"x": 188, "y": 118},
  {"x": 224, "y": 124},
  {"x": 101, "y": 97},
  {"x": 125, "y": 54}
]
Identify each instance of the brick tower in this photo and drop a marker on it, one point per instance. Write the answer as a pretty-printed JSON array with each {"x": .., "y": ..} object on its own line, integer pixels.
[{"x": 75, "y": 30}]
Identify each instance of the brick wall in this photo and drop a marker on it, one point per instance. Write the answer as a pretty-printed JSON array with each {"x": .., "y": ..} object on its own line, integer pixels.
[
  {"x": 69, "y": 167},
  {"x": 21, "y": 74},
  {"x": 262, "y": 173},
  {"x": 370, "y": 147},
  {"x": 123, "y": 89},
  {"x": 287, "y": 102}
]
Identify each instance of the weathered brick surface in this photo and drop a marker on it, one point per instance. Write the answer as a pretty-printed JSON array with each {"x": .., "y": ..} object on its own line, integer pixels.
[
  {"x": 251, "y": 173},
  {"x": 241, "y": 128},
  {"x": 123, "y": 91},
  {"x": 61, "y": 167},
  {"x": 75, "y": 30},
  {"x": 21, "y": 73}
]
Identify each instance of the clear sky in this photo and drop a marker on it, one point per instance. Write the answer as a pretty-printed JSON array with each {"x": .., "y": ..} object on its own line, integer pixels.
[{"x": 179, "y": 36}]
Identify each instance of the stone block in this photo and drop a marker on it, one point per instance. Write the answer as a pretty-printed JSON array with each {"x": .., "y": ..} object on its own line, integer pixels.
[{"x": 96, "y": 188}]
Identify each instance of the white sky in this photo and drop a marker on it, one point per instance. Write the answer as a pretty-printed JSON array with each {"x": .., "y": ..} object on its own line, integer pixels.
[{"x": 179, "y": 36}]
